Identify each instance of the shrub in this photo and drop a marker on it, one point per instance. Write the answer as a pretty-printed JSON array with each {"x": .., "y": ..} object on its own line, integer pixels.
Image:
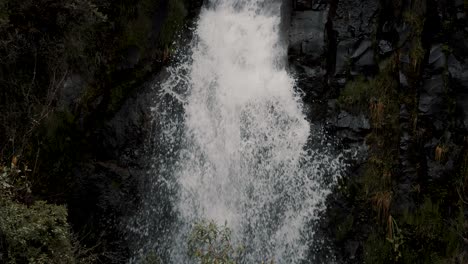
[
  {"x": 209, "y": 243},
  {"x": 36, "y": 234}
]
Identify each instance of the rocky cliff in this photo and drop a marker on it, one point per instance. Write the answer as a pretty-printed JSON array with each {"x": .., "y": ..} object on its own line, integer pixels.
[{"x": 389, "y": 79}]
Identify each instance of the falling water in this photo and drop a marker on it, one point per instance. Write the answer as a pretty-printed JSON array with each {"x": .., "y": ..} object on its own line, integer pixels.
[{"x": 234, "y": 144}]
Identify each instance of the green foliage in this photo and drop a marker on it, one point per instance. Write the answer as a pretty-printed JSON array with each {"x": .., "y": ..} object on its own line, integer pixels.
[
  {"x": 395, "y": 237},
  {"x": 36, "y": 234},
  {"x": 43, "y": 42},
  {"x": 344, "y": 228},
  {"x": 174, "y": 21},
  {"x": 209, "y": 243},
  {"x": 432, "y": 238},
  {"x": 152, "y": 258},
  {"x": 14, "y": 182},
  {"x": 356, "y": 94},
  {"x": 377, "y": 250}
]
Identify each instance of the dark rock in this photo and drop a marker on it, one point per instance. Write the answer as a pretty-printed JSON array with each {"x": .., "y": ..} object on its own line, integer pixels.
[
  {"x": 356, "y": 123},
  {"x": 355, "y": 18},
  {"x": 129, "y": 127},
  {"x": 403, "y": 79},
  {"x": 364, "y": 46},
  {"x": 71, "y": 91},
  {"x": 402, "y": 201},
  {"x": 363, "y": 58},
  {"x": 437, "y": 170},
  {"x": 343, "y": 53},
  {"x": 404, "y": 58},
  {"x": 351, "y": 249},
  {"x": 404, "y": 114},
  {"x": 437, "y": 59},
  {"x": 434, "y": 85},
  {"x": 458, "y": 72},
  {"x": 430, "y": 100},
  {"x": 307, "y": 33},
  {"x": 130, "y": 58},
  {"x": 310, "y": 4},
  {"x": 404, "y": 32},
  {"x": 385, "y": 47},
  {"x": 459, "y": 43},
  {"x": 349, "y": 127},
  {"x": 366, "y": 63},
  {"x": 462, "y": 104}
]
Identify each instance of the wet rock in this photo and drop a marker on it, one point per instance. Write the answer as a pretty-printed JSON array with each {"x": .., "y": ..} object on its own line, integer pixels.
[
  {"x": 343, "y": 53},
  {"x": 437, "y": 58},
  {"x": 459, "y": 43},
  {"x": 437, "y": 170},
  {"x": 462, "y": 104},
  {"x": 366, "y": 64},
  {"x": 403, "y": 79},
  {"x": 353, "y": 24},
  {"x": 404, "y": 32},
  {"x": 310, "y": 4},
  {"x": 351, "y": 249},
  {"x": 130, "y": 58},
  {"x": 356, "y": 123},
  {"x": 355, "y": 18},
  {"x": 307, "y": 33},
  {"x": 404, "y": 58},
  {"x": 363, "y": 58},
  {"x": 430, "y": 100},
  {"x": 459, "y": 73},
  {"x": 402, "y": 200},
  {"x": 385, "y": 47},
  {"x": 364, "y": 46},
  {"x": 129, "y": 127},
  {"x": 351, "y": 128},
  {"x": 310, "y": 80},
  {"x": 71, "y": 91}
]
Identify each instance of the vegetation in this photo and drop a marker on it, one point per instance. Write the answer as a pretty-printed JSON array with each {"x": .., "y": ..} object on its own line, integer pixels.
[
  {"x": 108, "y": 48},
  {"x": 433, "y": 226},
  {"x": 35, "y": 234},
  {"x": 209, "y": 243}
]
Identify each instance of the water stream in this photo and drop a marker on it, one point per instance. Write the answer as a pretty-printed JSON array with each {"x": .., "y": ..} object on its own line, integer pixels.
[{"x": 234, "y": 144}]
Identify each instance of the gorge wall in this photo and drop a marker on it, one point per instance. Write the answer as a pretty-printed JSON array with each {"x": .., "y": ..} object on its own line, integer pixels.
[{"x": 389, "y": 79}]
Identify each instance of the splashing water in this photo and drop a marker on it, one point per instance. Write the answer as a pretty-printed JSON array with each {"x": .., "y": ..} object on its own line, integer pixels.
[{"x": 244, "y": 154}]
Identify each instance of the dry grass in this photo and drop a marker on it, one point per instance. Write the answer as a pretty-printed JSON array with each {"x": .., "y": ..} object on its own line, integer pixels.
[
  {"x": 440, "y": 153},
  {"x": 377, "y": 112},
  {"x": 381, "y": 202}
]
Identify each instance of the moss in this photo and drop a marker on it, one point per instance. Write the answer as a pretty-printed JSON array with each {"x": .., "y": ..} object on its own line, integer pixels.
[
  {"x": 36, "y": 234},
  {"x": 355, "y": 96},
  {"x": 136, "y": 31},
  {"x": 344, "y": 228},
  {"x": 60, "y": 144},
  {"x": 417, "y": 52},
  {"x": 415, "y": 20},
  {"x": 152, "y": 258},
  {"x": 433, "y": 239},
  {"x": 173, "y": 23},
  {"x": 377, "y": 250}
]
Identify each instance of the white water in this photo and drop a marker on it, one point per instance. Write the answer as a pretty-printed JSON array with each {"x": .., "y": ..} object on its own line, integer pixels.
[{"x": 244, "y": 154}]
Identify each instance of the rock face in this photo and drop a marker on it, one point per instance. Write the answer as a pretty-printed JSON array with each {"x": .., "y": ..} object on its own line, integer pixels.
[
  {"x": 105, "y": 124},
  {"x": 391, "y": 77}
]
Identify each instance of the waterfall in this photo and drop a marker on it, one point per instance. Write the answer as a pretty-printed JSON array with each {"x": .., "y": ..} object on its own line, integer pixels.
[{"x": 234, "y": 145}]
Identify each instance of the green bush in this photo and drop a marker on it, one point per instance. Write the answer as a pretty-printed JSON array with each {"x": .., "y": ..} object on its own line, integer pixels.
[
  {"x": 209, "y": 243},
  {"x": 36, "y": 234}
]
